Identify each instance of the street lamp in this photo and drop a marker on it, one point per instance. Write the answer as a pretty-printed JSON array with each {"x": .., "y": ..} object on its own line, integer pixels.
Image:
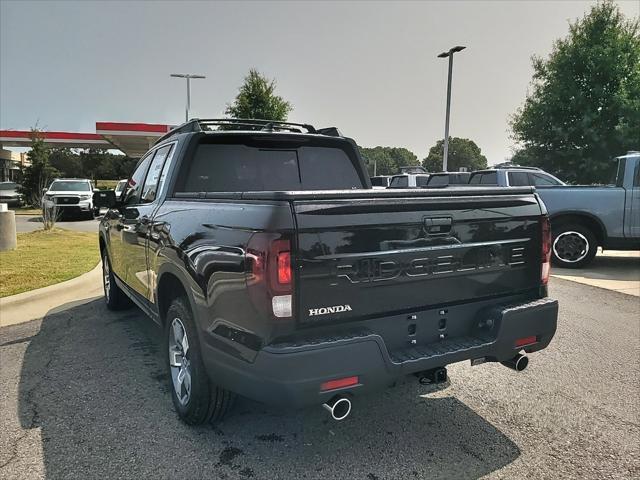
[
  {"x": 188, "y": 76},
  {"x": 446, "y": 123}
]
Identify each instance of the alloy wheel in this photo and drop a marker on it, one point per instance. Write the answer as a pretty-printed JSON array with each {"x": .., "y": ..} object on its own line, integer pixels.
[
  {"x": 106, "y": 278},
  {"x": 571, "y": 247},
  {"x": 179, "y": 361}
]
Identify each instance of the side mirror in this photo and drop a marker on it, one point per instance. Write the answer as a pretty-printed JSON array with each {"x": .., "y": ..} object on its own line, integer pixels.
[
  {"x": 45, "y": 190},
  {"x": 104, "y": 199}
]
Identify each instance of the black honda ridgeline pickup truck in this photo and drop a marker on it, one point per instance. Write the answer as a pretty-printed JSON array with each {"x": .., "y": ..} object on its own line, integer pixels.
[{"x": 279, "y": 274}]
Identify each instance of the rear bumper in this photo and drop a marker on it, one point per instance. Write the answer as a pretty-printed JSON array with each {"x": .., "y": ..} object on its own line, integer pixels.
[{"x": 291, "y": 374}]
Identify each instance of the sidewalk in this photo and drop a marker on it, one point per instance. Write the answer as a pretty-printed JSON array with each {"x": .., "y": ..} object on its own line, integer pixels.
[
  {"x": 612, "y": 270},
  {"x": 37, "y": 303}
]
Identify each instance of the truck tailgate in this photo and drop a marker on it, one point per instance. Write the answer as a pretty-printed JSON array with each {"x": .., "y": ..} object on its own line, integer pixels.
[{"x": 361, "y": 258}]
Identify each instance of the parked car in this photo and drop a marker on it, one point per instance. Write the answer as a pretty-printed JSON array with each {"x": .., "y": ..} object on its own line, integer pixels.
[
  {"x": 443, "y": 179},
  {"x": 409, "y": 180},
  {"x": 71, "y": 196},
  {"x": 9, "y": 194},
  {"x": 510, "y": 175},
  {"x": 120, "y": 186},
  {"x": 380, "y": 181},
  {"x": 586, "y": 217},
  {"x": 279, "y": 274}
]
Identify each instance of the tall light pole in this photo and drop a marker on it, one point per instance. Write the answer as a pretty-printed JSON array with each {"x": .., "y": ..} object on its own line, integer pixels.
[
  {"x": 446, "y": 122},
  {"x": 188, "y": 76}
]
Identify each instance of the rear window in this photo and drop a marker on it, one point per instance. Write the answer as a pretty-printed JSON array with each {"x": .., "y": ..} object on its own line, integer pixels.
[
  {"x": 438, "y": 180},
  {"x": 399, "y": 181},
  {"x": 8, "y": 186},
  {"x": 379, "y": 181},
  {"x": 245, "y": 168},
  {"x": 422, "y": 180}
]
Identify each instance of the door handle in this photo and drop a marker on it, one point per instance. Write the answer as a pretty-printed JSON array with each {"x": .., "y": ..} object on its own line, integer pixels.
[{"x": 438, "y": 225}]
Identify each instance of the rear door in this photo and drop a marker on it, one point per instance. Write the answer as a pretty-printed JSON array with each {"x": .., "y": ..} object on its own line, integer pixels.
[
  {"x": 366, "y": 258},
  {"x": 632, "y": 201},
  {"x": 137, "y": 219}
]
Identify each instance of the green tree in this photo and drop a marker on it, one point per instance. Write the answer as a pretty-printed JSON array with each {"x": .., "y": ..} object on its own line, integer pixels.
[
  {"x": 257, "y": 99},
  {"x": 387, "y": 160},
  {"x": 462, "y": 153},
  {"x": 97, "y": 164},
  {"x": 39, "y": 174},
  {"x": 66, "y": 162},
  {"x": 584, "y": 105}
]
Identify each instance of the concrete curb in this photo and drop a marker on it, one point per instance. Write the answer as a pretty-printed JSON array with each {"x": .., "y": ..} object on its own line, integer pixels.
[{"x": 35, "y": 304}]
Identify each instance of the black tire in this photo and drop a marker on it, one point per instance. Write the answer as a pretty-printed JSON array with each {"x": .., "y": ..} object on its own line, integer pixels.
[
  {"x": 205, "y": 402},
  {"x": 573, "y": 245},
  {"x": 114, "y": 297}
]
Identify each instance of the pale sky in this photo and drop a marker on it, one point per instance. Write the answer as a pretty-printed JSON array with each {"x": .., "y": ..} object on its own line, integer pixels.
[{"x": 369, "y": 68}]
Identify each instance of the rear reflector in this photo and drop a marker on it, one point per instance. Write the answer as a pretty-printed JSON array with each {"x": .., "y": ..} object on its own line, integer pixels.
[
  {"x": 340, "y": 383},
  {"x": 521, "y": 342},
  {"x": 281, "y": 305}
]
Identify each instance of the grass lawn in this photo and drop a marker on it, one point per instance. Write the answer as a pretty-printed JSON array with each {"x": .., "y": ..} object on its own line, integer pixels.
[
  {"x": 44, "y": 258},
  {"x": 27, "y": 210},
  {"x": 106, "y": 184}
]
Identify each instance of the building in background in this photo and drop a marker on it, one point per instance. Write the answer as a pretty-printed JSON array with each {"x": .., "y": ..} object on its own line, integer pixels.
[
  {"x": 11, "y": 163},
  {"x": 132, "y": 139}
]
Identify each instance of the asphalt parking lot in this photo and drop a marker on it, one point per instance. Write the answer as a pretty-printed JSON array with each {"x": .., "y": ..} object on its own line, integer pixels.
[{"x": 85, "y": 396}]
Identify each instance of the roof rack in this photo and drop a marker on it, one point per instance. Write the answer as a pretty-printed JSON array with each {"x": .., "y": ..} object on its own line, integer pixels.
[
  {"x": 230, "y": 124},
  {"x": 499, "y": 166}
]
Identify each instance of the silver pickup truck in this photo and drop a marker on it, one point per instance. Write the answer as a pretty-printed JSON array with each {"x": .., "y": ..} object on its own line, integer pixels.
[{"x": 584, "y": 218}]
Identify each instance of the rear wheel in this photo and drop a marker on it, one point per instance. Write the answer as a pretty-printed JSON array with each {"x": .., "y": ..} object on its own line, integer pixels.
[
  {"x": 196, "y": 399},
  {"x": 574, "y": 246},
  {"x": 114, "y": 297}
]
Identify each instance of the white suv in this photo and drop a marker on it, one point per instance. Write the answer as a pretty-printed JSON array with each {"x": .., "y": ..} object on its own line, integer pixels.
[{"x": 70, "y": 196}]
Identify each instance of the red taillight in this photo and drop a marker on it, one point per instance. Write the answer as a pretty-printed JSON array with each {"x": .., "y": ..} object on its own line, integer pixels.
[
  {"x": 271, "y": 282},
  {"x": 523, "y": 342},
  {"x": 279, "y": 266},
  {"x": 284, "y": 268},
  {"x": 339, "y": 383},
  {"x": 545, "y": 228}
]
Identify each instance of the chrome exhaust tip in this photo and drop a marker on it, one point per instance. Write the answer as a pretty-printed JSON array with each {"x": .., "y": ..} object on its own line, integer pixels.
[
  {"x": 517, "y": 363},
  {"x": 338, "y": 407}
]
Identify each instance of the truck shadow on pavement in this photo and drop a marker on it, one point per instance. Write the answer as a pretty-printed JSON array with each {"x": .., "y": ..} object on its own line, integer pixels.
[{"x": 93, "y": 382}]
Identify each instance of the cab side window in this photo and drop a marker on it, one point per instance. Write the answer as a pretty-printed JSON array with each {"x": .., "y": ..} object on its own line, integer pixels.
[
  {"x": 518, "y": 179},
  {"x": 490, "y": 178},
  {"x": 134, "y": 186},
  {"x": 539, "y": 179},
  {"x": 475, "y": 178},
  {"x": 153, "y": 183}
]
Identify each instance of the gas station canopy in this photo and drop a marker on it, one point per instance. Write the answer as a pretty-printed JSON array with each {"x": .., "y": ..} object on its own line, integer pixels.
[{"x": 132, "y": 139}]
